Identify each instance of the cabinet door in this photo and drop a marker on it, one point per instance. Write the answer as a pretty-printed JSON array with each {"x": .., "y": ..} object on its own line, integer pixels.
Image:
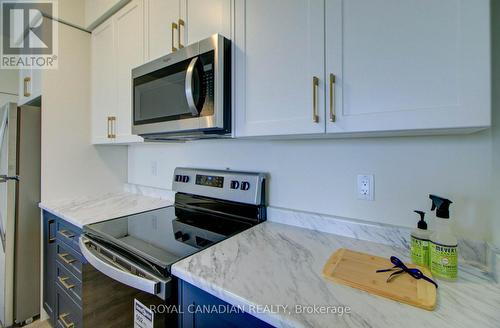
[
  {"x": 192, "y": 298},
  {"x": 36, "y": 83},
  {"x": 30, "y": 85},
  {"x": 129, "y": 45},
  {"x": 160, "y": 16},
  {"x": 408, "y": 65},
  {"x": 279, "y": 67},
  {"x": 49, "y": 265},
  {"x": 204, "y": 18},
  {"x": 103, "y": 85}
]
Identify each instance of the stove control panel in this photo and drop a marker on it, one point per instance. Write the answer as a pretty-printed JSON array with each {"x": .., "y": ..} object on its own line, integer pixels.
[{"x": 243, "y": 187}]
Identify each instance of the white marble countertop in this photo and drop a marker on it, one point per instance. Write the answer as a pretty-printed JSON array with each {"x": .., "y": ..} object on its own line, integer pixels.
[
  {"x": 87, "y": 210},
  {"x": 277, "y": 264}
]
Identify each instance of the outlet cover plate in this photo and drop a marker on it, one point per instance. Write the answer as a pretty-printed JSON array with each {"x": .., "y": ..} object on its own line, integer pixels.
[{"x": 366, "y": 190}]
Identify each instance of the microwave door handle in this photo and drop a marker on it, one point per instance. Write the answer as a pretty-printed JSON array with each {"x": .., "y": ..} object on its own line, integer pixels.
[
  {"x": 101, "y": 263},
  {"x": 189, "y": 87}
]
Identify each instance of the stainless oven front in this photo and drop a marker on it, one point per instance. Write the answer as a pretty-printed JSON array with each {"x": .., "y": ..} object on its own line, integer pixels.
[{"x": 185, "y": 93}]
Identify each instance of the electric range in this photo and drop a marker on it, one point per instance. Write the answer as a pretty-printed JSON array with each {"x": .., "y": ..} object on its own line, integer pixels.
[{"x": 139, "y": 250}]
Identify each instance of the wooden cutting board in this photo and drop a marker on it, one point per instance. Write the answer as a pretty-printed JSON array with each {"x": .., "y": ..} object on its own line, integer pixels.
[{"x": 358, "y": 270}]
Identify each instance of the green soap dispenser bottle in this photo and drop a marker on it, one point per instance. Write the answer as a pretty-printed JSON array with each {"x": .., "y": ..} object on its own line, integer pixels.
[
  {"x": 443, "y": 245},
  {"x": 419, "y": 248}
]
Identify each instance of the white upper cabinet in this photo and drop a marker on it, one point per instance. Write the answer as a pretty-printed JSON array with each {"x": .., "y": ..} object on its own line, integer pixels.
[
  {"x": 279, "y": 67},
  {"x": 117, "y": 47},
  {"x": 408, "y": 65},
  {"x": 383, "y": 66},
  {"x": 30, "y": 85},
  {"x": 173, "y": 24},
  {"x": 204, "y": 18},
  {"x": 103, "y": 86},
  {"x": 161, "y": 35},
  {"x": 129, "y": 45},
  {"x": 97, "y": 11}
]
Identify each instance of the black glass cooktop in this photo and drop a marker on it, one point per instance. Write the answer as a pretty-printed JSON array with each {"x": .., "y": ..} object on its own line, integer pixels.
[{"x": 164, "y": 236}]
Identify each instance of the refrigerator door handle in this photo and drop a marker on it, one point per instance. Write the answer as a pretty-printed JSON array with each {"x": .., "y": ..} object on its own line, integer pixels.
[
  {"x": 5, "y": 178},
  {"x": 2, "y": 234}
]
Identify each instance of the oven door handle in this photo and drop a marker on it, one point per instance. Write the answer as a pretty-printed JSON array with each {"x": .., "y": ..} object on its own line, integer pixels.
[
  {"x": 116, "y": 272},
  {"x": 189, "y": 87}
]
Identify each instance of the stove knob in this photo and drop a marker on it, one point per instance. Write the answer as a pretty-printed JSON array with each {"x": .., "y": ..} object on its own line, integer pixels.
[
  {"x": 181, "y": 236},
  {"x": 245, "y": 185},
  {"x": 178, "y": 178},
  {"x": 185, "y": 179},
  {"x": 235, "y": 184}
]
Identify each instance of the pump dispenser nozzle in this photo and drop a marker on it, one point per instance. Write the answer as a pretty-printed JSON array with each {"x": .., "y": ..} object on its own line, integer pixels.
[
  {"x": 421, "y": 224},
  {"x": 441, "y": 205}
]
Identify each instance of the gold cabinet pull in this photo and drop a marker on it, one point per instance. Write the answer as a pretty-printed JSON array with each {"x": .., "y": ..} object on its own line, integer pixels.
[
  {"x": 109, "y": 128},
  {"x": 49, "y": 225},
  {"x": 174, "y": 27},
  {"x": 315, "y": 99},
  {"x": 181, "y": 23},
  {"x": 66, "y": 234},
  {"x": 333, "y": 117},
  {"x": 64, "y": 283},
  {"x": 62, "y": 256},
  {"x": 112, "y": 120},
  {"x": 66, "y": 324},
  {"x": 27, "y": 81}
]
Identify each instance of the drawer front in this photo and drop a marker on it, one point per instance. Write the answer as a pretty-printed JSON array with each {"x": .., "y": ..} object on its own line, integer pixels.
[
  {"x": 69, "y": 315},
  {"x": 69, "y": 259},
  {"x": 71, "y": 284},
  {"x": 68, "y": 234}
]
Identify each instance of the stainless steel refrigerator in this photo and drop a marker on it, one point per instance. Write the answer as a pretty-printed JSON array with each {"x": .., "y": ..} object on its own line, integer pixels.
[{"x": 20, "y": 216}]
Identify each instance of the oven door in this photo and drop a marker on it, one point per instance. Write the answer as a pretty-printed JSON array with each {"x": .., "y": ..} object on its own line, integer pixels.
[{"x": 181, "y": 92}]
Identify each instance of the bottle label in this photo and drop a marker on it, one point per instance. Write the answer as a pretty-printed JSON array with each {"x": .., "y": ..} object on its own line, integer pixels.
[
  {"x": 419, "y": 250},
  {"x": 444, "y": 261}
]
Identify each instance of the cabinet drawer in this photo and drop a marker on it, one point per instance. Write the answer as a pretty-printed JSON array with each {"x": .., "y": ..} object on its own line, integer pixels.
[
  {"x": 69, "y": 315},
  {"x": 68, "y": 234},
  {"x": 69, "y": 259},
  {"x": 68, "y": 282}
]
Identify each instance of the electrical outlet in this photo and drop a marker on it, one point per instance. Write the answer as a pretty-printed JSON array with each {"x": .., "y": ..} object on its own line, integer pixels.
[
  {"x": 365, "y": 187},
  {"x": 154, "y": 168}
]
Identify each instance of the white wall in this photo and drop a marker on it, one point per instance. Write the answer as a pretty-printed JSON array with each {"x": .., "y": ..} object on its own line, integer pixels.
[
  {"x": 320, "y": 175},
  {"x": 71, "y": 166}
]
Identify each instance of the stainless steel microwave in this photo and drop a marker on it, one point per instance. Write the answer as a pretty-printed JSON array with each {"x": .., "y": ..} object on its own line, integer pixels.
[{"x": 186, "y": 94}]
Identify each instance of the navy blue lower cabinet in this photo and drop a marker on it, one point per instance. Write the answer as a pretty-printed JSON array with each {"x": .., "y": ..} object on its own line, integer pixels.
[{"x": 201, "y": 309}]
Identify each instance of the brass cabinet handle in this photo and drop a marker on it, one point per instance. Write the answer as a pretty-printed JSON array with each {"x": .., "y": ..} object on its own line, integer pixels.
[
  {"x": 174, "y": 27},
  {"x": 332, "y": 98},
  {"x": 315, "y": 99},
  {"x": 108, "y": 126},
  {"x": 66, "y": 324},
  {"x": 49, "y": 224},
  {"x": 27, "y": 80},
  {"x": 66, "y": 234},
  {"x": 112, "y": 120},
  {"x": 181, "y": 23},
  {"x": 111, "y": 127},
  {"x": 62, "y": 256},
  {"x": 64, "y": 283}
]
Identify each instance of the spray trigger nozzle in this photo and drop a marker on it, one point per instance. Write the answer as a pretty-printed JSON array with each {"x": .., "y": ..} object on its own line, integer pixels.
[{"x": 421, "y": 224}]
